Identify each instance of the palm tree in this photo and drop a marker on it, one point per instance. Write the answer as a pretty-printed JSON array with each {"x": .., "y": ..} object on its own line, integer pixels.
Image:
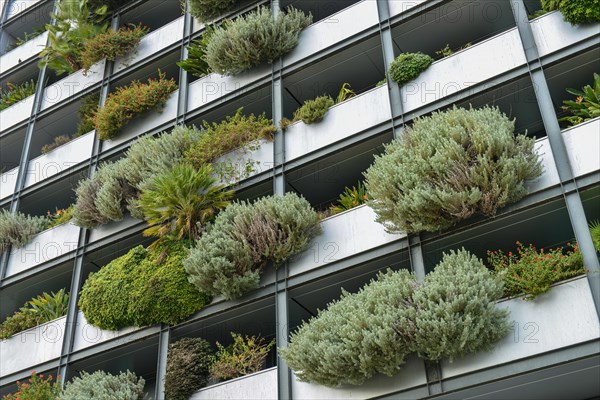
[{"x": 181, "y": 201}]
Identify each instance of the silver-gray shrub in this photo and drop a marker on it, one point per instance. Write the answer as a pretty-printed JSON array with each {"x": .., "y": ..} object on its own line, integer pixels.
[
  {"x": 16, "y": 230},
  {"x": 101, "y": 385},
  {"x": 247, "y": 237},
  {"x": 448, "y": 167},
  {"x": 355, "y": 337},
  {"x": 254, "y": 38},
  {"x": 456, "y": 313},
  {"x": 207, "y": 10},
  {"x": 116, "y": 186}
]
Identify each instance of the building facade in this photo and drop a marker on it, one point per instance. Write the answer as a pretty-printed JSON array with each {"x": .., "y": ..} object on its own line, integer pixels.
[{"x": 521, "y": 65}]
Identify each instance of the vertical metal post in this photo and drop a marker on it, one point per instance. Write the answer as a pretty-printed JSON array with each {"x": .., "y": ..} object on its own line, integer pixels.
[{"x": 161, "y": 364}]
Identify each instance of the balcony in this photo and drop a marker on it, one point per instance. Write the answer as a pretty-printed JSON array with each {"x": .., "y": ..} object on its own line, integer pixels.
[
  {"x": 8, "y": 181},
  {"x": 259, "y": 386},
  {"x": 16, "y": 113},
  {"x": 242, "y": 164},
  {"x": 23, "y": 53},
  {"x": 32, "y": 347},
  {"x": 582, "y": 142},
  {"x": 552, "y": 33},
  {"x": 48, "y": 245},
  {"x": 71, "y": 85}
]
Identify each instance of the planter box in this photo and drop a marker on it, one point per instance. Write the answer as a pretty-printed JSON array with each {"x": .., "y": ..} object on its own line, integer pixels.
[
  {"x": 112, "y": 228},
  {"x": 153, "y": 43},
  {"x": 8, "y": 180},
  {"x": 145, "y": 122},
  {"x": 23, "y": 53},
  {"x": 344, "y": 235},
  {"x": 411, "y": 375},
  {"x": 333, "y": 30},
  {"x": 552, "y": 33},
  {"x": 549, "y": 175},
  {"x": 17, "y": 6},
  {"x": 341, "y": 121},
  {"x": 213, "y": 87},
  {"x": 60, "y": 159},
  {"x": 87, "y": 335},
  {"x": 32, "y": 347},
  {"x": 16, "y": 113},
  {"x": 565, "y": 316},
  {"x": 582, "y": 142},
  {"x": 71, "y": 85},
  {"x": 261, "y": 158},
  {"x": 472, "y": 66},
  {"x": 45, "y": 246},
  {"x": 258, "y": 386}
]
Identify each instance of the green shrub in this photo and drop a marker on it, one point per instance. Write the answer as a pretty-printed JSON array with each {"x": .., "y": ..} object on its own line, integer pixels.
[
  {"x": 408, "y": 66},
  {"x": 448, "y": 167},
  {"x": 235, "y": 132},
  {"x": 455, "y": 309},
  {"x": 39, "y": 310},
  {"x": 355, "y": 337},
  {"x": 575, "y": 11},
  {"x": 530, "y": 272},
  {"x": 15, "y": 93},
  {"x": 36, "y": 388},
  {"x": 126, "y": 102},
  {"x": 16, "y": 230},
  {"x": 245, "y": 238},
  {"x": 60, "y": 216},
  {"x": 101, "y": 385},
  {"x": 27, "y": 37},
  {"x": 180, "y": 202},
  {"x": 116, "y": 187},
  {"x": 111, "y": 44},
  {"x": 87, "y": 112},
  {"x": 188, "y": 366},
  {"x": 595, "y": 232},
  {"x": 253, "y": 39},
  {"x": 141, "y": 288},
  {"x": 244, "y": 356},
  {"x": 586, "y": 106},
  {"x": 350, "y": 198},
  {"x": 58, "y": 141},
  {"x": 313, "y": 110},
  {"x": 207, "y": 10},
  {"x": 196, "y": 62}
]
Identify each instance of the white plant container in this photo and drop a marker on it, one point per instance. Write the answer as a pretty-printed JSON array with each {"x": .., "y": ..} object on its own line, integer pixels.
[
  {"x": 552, "y": 33},
  {"x": 261, "y": 385}
]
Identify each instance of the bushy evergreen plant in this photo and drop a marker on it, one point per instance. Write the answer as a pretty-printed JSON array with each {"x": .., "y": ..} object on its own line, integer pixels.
[
  {"x": 17, "y": 229},
  {"x": 188, "y": 367},
  {"x": 101, "y": 385},
  {"x": 408, "y": 66},
  {"x": 575, "y": 11}
]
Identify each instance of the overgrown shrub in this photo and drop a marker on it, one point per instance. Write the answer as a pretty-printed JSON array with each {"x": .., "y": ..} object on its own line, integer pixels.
[
  {"x": 141, "y": 288},
  {"x": 126, "y": 102},
  {"x": 87, "y": 112},
  {"x": 180, "y": 202},
  {"x": 407, "y": 66},
  {"x": 244, "y": 356},
  {"x": 586, "y": 106},
  {"x": 350, "y": 198},
  {"x": 58, "y": 141},
  {"x": 575, "y": 11},
  {"x": 101, "y": 385},
  {"x": 116, "y": 187},
  {"x": 196, "y": 62},
  {"x": 39, "y": 310},
  {"x": 36, "y": 388},
  {"x": 188, "y": 367},
  {"x": 15, "y": 93},
  {"x": 111, "y": 44},
  {"x": 16, "y": 230},
  {"x": 207, "y": 10},
  {"x": 246, "y": 237},
  {"x": 235, "y": 132},
  {"x": 313, "y": 110},
  {"x": 448, "y": 167},
  {"x": 355, "y": 337},
  {"x": 253, "y": 39},
  {"x": 530, "y": 272},
  {"x": 455, "y": 309}
]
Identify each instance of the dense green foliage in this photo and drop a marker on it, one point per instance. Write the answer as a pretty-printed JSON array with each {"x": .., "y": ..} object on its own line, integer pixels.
[
  {"x": 116, "y": 187},
  {"x": 455, "y": 309},
  {"x": 87, "y": 112},
  {"x": 127, "y": 102},
  {"x": 530, "y": 272},
  {"x": 101, "y": 385},
  {"x": 16, "y": 230},
  {"x": 355, "y": 337},
  {"x": 208, "y": 10},
  {"x": 244, "y": 356},
  {"x": 36, "y": 388},
  {"x": 253, "y": 39},
  {"x": 196, "y": 62},
  {"x": 180, "y": 202},
  {"x": 15, "y": 93},
  {"x": 111, "y": 44},
  {"x": 39, "y": 310},
  {"x": 586, "y": 106},
  {"x": 595, "y": 232},
  {"x": 313, "y": 110},
  {"x": 448, "y": 167},
  {"x": 407, "y": 66},
  {"x": 245, "y": 238},
  {"x": 188, "y": 367},
  {"x": 350, "y": 198},
  {"x": 575, "y": 11},
  {"x": 141, "y": 288}
]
